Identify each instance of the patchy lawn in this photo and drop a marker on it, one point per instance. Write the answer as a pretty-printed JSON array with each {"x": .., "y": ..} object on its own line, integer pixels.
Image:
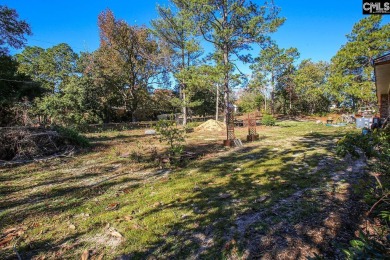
[{"x": 286, "y": 196}]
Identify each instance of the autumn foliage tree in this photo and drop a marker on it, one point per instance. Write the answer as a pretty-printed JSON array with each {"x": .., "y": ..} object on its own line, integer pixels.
[{"x": 126, "y": 62}]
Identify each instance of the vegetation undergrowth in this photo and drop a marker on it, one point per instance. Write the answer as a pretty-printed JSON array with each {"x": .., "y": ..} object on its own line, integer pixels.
[
  {"x": 72, "y": 136},
  {"x": 375, "y": 146}
]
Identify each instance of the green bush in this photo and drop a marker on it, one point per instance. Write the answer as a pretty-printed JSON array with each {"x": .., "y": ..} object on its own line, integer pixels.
[
  {"x": 351, "y": 142},
  {"x": 268, "y": 120},
  {"x": 72, "y": 136}
]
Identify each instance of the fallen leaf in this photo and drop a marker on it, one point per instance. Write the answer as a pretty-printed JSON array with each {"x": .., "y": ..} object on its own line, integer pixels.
[
  {"x": 125, "y": 155},
  {"x": 113, "y": 206},
  {"x": 9, "y": 230},
  {"x": 262, "y": 199},
  {"x": 85, "y": 255},
  {"x": 6, "y": 240},
  {"x": 128, "y": 218},
  {"x": 157, "y": 204},
  {"x": 115, "y": 233},
  {"x": 136, "y": 226},
  {"x": 127, "y": 191}
]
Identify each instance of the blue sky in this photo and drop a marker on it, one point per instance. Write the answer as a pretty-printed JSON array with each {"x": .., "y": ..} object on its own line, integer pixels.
[{"x": 316, "y": 28}]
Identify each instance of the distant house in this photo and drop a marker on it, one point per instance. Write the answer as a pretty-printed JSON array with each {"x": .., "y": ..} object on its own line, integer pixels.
[{"x": 382, "y": 81}]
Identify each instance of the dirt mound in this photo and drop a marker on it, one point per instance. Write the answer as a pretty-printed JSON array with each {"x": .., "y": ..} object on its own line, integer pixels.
[
  {"x": 26, "y": 143},
  {"x": 211, "y": 125}
]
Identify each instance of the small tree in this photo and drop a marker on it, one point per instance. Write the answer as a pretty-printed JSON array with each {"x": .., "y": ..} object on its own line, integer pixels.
[{"x": 172, "y": 135}]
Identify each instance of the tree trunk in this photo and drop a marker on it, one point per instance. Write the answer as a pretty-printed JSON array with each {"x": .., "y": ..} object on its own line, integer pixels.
[
  {"x": 226, "y": 87},
  {"x": 184, "y": 109},
  {"x": 272, "y": 94},
  {"x": 217, "y": 104},
  {"x": 182, "y": 91}
]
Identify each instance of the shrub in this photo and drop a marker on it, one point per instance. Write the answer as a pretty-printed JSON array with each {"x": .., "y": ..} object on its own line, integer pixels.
[
  {"x": 174, "y": 136},
  {"x": 72, "y": 136},
  {"x": 268, "y": 120},
  {"x": 352, "y": 142}
]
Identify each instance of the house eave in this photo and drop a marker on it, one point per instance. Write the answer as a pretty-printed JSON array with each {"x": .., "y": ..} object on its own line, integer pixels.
[{"x": 382, "y": 75}]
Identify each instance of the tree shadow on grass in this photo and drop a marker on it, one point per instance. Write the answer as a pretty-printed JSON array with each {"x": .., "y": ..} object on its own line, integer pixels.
[
  {"x": 51, "y": 248},
  {"x": 53, "y": 203},
  {"x": 277, "y": 206}
]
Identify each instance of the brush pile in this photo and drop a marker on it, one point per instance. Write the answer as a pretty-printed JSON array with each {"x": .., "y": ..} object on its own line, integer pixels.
[{"x": 27, "y": 143}]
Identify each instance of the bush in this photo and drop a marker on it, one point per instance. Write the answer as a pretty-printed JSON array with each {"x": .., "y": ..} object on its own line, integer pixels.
[
  {"x": 71, "y": 136},
  {"x": 268, "y": 120},
  {"x": 352, "y": 142}
]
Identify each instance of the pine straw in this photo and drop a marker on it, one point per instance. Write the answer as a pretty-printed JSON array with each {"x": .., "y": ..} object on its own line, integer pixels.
[{"x": 210, "y": 125}]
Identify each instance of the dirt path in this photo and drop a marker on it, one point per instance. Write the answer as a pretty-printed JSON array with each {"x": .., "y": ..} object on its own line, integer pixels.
[{"x": 334, "y": 214}]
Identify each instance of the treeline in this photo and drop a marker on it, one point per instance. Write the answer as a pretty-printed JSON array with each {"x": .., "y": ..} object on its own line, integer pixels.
[
  {"x": 346, "y": 83},
  {"x": 139, "y": 72}
]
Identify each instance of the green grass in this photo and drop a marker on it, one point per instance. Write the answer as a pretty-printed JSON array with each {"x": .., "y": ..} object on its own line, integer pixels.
[{"x": 157, "y": 213}]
